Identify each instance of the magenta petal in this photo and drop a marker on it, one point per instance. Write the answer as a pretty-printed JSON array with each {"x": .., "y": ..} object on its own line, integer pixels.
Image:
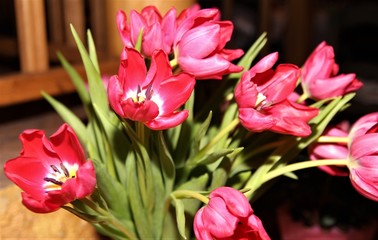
[
  {"x": 199, "y": 227},
  {"x": 115, "y": 95},
  {"x": 160, "y": 70},
  {"x": 141, "y": 112},
  {"x": 83, "y": 184},
  {"x": 203, "y": 68},
  {"x": 254, "y": 121},
  {"x": 365, "y": 181},
  {"x": 137, "y": 23},
  {"x": 174, "y": 92},
  {"x": 246, "y": 92},
  {"x": 364, "y": 145},
  {"x": 200, "y": 41},
  {"x": 123, "y": 28},
  {"x": 168, "y": 121},
  {"x": 235, "y": 201},
  {"x": 27, "y": 173},
  {"x": 152, "y": 39},
  {"x": 38, "y": 205},
  {"x": 35, "y": 144},
  {"x": 132, "y": 72},
  {"x": 218, "y": 220},
  {"x": 67, "y": 145}
]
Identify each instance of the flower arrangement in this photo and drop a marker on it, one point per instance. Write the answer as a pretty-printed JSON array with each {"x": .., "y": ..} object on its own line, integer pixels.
[{"x": 166, "y": 153}]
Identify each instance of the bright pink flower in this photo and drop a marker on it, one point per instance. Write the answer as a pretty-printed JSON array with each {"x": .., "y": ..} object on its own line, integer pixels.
[
  {"x": 158, "y": 31},
  {"x": 319, "y": 75},
  {"x": 228, "y": 215},
  {"x": 332, "y": 150},
  {"x": 363, "y": 164},
  {"x": 152, "y": 97},
  {"x": 262, "y": 97},
  {"x": 51, "y": 172},
  {"x": 199, "y": 44},
  {"x": 363, "y": 124}
]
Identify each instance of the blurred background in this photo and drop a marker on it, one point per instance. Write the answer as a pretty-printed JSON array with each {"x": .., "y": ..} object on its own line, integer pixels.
[{"x": 33, "y": 31}]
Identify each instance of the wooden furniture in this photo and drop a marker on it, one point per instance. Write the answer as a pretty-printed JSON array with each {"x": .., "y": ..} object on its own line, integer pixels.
[
  {"x": 39, "y": 37},
  {"x": 43, "y": 28}
]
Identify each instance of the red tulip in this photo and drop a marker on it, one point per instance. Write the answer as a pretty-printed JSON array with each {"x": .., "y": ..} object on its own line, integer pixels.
[
  {"x": 228, "y": 215},
  {"x": 152, "y": 97},
  {"x": 51, "y": 172},
  {"x": 262, "y": 97},
  {"x": 319, "y": 75},
  {"x": 363, "y": 164}
]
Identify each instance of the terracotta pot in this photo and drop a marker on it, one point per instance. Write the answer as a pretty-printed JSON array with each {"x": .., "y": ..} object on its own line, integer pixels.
[{"x": 112, "y": 6}]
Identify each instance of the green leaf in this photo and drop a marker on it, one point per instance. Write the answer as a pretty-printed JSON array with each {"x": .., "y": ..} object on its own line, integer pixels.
[
  {"x": 118, "y": 142},
  {"x": 76, "y": 80},
  {"x": 96, "y": 86},
  {"x": 201, "y": 133},
  {"x": 112, "y": 192},
  {"x": 68, "y": 116},
  {"x": 166, "y": 163},
  {"x": 250, "y": 55},
  {"x": 92, "y": 51},
  {"x": 139, "y": 212},
  {"x": 180, "y": 215}
]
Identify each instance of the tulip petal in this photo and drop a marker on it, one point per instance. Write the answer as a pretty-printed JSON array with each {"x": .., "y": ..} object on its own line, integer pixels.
[{"x": 168, "y": 121}]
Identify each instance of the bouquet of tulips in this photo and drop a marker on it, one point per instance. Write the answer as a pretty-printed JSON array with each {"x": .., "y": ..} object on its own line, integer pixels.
[{"x": 189, "y": 134}]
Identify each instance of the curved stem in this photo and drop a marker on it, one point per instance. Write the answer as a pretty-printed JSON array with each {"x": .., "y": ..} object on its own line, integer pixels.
[
  {"x": 111, "y": 219},
  {"x": 302, "y": 165},
  {"x": 190, "y": 194},
  {"x": 302, "y": 98},
  {"x": 331, "y": 139}
]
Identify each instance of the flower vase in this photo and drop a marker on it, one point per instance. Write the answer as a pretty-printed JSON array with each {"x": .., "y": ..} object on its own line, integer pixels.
[{"x": 114, "y": 42}]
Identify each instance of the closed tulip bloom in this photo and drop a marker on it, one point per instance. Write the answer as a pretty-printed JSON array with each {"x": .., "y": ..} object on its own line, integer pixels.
[
  {"x": 228, "y": 215},
  {"x": 332, "y": 150},
  {"x": 263, "y": 94},
  {"x": 52, "y": 172},
  {"x": 152, "y": 97},
  {"x": 363, "y": 164},
  {"x": 158, "y": 32},
  {"x": 319, "y": 75},
  {"x": 199, "y": 45}
]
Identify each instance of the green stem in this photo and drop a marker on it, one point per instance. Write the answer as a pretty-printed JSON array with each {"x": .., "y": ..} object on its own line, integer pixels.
[
  {"x": 331, "y": 139},
  {"x": 303, "y": 97},
  {"x": 173, "y": 62},
  {"x": 111, "y": 219},
  {"x": 179, "y": 194},
  {"x": 302, "y": 165},
  {"x": 140, "y": 132}
]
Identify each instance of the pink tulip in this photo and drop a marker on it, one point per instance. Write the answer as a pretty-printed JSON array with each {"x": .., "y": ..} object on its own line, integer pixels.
[
  {"x": 152, "y": 97},
  {"x": 363, "y": 164},
  {"x": 199, "y": 45},
  {"x": 363, "y": 124},
  {"x": 228, "y": 215},
  {"x": 158, "y": 31},
  {"x": 332, "y": 150},
  {"x": 262, "y": 97},
  {"x": 319, "y": 75},
  {"x": 51, "y": 172}
]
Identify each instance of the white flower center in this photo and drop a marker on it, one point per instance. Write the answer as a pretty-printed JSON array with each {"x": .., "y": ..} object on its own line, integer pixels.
[{"x": 59, "y": 175}]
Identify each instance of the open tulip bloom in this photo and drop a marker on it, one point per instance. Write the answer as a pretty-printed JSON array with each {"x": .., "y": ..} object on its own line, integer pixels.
[{"x": 164, "y": 147}]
